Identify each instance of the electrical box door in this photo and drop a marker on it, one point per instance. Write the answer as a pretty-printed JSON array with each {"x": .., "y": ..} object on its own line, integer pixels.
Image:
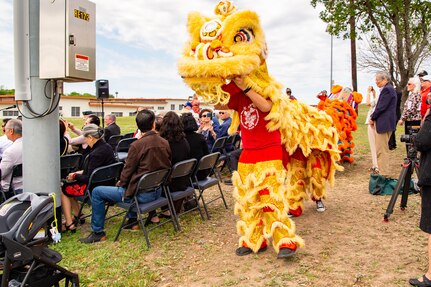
[{"x": 67, "y": 48}]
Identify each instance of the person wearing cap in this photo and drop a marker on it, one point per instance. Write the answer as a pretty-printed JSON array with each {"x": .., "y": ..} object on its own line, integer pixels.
[
  {"x": 187, "y": 108},
  {"x": 85, "y": 114},
  {"x": 422, "y": 73},
  {"x": 426, "y": 88},
  {"x": 101, "y": 154}
]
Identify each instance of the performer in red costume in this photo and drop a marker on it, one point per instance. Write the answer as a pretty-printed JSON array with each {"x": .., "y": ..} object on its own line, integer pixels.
[{"x": 260, "y": 203}]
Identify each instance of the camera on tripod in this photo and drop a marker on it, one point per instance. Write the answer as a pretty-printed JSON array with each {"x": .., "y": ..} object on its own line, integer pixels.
[
  {"x": 412, "y": 131},
  {"x": 410, "y": 164}
]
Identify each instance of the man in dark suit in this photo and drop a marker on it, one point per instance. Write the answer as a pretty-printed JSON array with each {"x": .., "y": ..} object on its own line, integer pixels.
[
  {"x": 384, "y": 119},
  {"x": 112, "y": 128}
]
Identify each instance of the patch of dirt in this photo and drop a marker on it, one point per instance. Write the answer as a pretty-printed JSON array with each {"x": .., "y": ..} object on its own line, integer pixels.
[{"x": 347, "y": 245}]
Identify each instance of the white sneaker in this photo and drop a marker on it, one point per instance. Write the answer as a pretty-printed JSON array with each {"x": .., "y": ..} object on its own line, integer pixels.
[{"x": 320, "y": 207}]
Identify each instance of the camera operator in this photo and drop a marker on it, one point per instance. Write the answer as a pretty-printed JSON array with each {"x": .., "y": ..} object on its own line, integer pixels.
[{"x": 422, "y": 142}]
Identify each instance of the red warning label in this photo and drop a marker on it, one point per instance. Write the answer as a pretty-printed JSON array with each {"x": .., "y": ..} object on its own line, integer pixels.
[{"x": 82, "y": 63}]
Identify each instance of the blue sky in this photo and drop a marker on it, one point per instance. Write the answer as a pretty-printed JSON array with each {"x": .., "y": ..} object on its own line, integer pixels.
[{"x": 139, "y": 42}]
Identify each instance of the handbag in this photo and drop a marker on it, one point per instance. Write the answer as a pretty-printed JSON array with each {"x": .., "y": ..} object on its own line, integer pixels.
[
  {"x": 74, "y": 188},
  {"x": 380, "y": 185}
]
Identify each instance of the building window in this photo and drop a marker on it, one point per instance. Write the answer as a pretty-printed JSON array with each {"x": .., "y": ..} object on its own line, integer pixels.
[
  {"x": 172, "y": 107},
  {"x": 76, "y": 111},
  {"x": 180, "y": 107},
  {"x": 117, "y": 114},
  {"x": 60, "y": 108},
  {"x": 10, "y": 113},
  {"x": 99, "y": 114},
  {"x": 160, "y": 108},
  {"x": 132, "y": 114}
]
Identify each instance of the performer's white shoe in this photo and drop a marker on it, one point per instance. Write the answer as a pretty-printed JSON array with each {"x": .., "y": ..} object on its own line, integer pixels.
[{"x": 320, "y": 207}]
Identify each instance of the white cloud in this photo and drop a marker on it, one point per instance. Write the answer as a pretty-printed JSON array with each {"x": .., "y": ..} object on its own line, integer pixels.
[{"x": 139, "y": 42}]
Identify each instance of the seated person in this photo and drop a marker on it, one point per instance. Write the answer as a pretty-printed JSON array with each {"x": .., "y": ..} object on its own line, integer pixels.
[
  {"x": 79, "y": 141},
  {"x": 64, "y": 141},
  {"x": 149, "y": 153},
  {"x": 4, "y": 141},
  {"x": 12, "y": 156},
  {"x": 224, "y": 115},
  {"x": 112, "y": 129},
  {"x": 172, "y": 130},
  {"x": 101, "y": 154},
  {"x": 208, "y": 127},
  {"x": 197, "y": 142}
]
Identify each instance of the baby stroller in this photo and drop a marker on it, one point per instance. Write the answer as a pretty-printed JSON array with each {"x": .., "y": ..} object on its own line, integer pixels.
[{"x": 24, "y": 238}]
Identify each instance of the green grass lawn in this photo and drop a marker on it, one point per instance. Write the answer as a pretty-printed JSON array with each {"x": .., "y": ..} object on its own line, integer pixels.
[
  {"x": 128, "y": 262},
  {"x": 127, "y": 124}
]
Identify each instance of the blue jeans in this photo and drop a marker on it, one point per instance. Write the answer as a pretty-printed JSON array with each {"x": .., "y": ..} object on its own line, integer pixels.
[{"x": 103, "y": 194}]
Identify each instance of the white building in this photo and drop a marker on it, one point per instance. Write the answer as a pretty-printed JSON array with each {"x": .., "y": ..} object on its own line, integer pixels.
[{"x": 73, "y": 106}]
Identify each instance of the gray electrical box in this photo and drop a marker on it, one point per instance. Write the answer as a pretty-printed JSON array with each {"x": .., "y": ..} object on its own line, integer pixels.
[{"x": 67, "y": 48}]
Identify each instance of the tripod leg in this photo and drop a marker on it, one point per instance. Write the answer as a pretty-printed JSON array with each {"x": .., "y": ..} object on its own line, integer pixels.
[
  {"x": 393, "y": 200},
  {"x": 406, "y": 187}
]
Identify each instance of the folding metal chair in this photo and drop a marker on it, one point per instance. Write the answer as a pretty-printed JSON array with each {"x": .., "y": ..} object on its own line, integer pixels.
[
  {"x": 114, "y": 140},
  {"x": 208, "y": 162},
  {"x": 128, "y": 135},
  {"x": 123, "y": 148},
  {"x": 16, "y": 172},
  {"x": 226, "y": 153},
  {"x": 183, "y": 169},
  {"x": 69, "y": 163},
  {"x": 218, "y": 144},
  {"x": 105, "y": 175},
  {"x": 149, "y": 182}
]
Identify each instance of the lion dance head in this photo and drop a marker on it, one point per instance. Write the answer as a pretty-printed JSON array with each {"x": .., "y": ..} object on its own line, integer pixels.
[{"x": 223, "y": 46}]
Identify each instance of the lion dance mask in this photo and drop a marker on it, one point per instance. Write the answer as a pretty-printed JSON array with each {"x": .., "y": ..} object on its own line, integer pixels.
[{"x": 232, "y": 43}]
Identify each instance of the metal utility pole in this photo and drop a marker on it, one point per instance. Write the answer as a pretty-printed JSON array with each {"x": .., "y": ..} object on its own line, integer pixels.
[
  {"x": 332, "y": 61},
  {"x": 41, "y": 163},
  {"x": 353, "y": 47}
]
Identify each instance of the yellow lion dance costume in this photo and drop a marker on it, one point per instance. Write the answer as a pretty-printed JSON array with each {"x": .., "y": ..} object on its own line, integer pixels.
[{"x": 271, "y": 180}]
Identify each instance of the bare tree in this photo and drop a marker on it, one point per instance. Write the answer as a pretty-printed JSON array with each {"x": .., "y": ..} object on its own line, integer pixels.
[{"x": 398, "y": 32}]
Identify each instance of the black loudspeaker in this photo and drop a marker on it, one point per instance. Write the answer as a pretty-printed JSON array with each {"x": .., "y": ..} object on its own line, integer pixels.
[{"x": 102, "y": 89}]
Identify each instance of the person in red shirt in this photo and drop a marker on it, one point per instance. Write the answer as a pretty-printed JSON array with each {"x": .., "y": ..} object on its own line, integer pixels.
[
  {"x": 426, "y": 88},
  {"x": 259, "y": 204}
]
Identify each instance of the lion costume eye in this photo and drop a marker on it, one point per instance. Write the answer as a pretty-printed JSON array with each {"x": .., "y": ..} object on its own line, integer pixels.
[{"x": 243, "y": 35}]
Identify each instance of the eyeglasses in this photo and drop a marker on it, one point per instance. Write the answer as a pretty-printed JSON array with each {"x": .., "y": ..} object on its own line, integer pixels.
[
  {"x": 221, "y": 113},
  {"x": 203, "y": 116}
]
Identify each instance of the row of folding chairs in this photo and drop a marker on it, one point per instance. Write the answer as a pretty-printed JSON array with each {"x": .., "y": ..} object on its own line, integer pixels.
[
  {"x": 161, "y": 179},
  {"x": 225, "y": 145},
  {"x": 108, "y": 175}
]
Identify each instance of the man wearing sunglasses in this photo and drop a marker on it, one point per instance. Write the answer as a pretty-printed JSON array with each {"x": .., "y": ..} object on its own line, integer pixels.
[{"x": 226, "y": 121}]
